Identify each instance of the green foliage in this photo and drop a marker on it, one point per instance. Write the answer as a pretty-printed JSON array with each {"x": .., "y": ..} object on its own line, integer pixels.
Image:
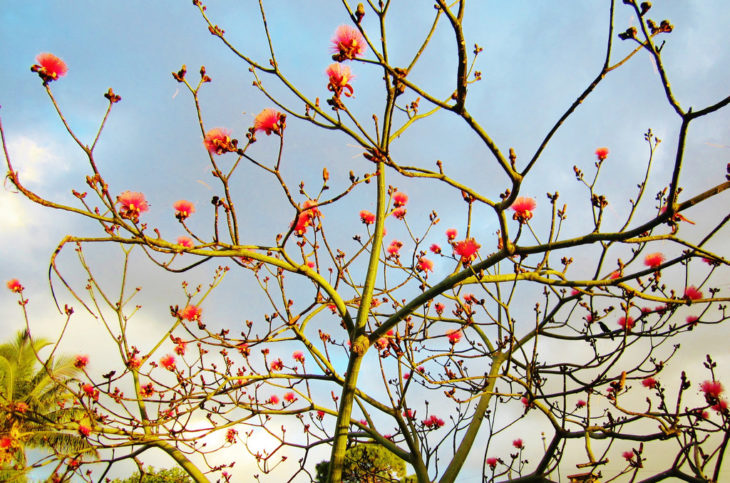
[
  {"x": 30, "y": 393},
  {"x": 368, "y": 463},
  {"x": 172, "y": 475}
]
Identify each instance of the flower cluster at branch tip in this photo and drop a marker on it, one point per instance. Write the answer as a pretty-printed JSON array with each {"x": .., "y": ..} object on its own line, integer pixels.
[
  {"x": 434, "y": 248},
  {"x": 183, "y": 209},
  {"x": 148, "y": 390},
  {"x": 712, "y": 389},
  {"x": 439, "y": 308},
  {"x": 626, "y": 323},
  {"x": 180, "y": 347},
  {"x": 132, "y": 204},
  {"x": 298, "y": 356},
  {"x": 602, "y": 153},
  {"x": 653, "y": 260},
  {"x": 523, "y": 208},
  {"x": 231, "y": 436},
  {"x": 492, "y": 462},
  {"x": 517, "y": 443},
  {"x": 451, "y": 234},
  {"x": 580, "y": 404},
  {"x": 49, "y": 67},
  {"x": 168, "y": 362},
  {"x": 628, "y": 455},
  {"x": 290, "y": 397},
  {"x": 394, "y": 247},
  {"x": 273, "y": 399},
  {"x": 81, "y": 361},
  {"x": 400, "y": 199},
  {"x": 348, "y": 43},
  {"x": 277, "y": 365},
  {"x": 367, "y": 217},
  {"x": 191, "y": 313},
  {"x": 454, "y": 336},
  {"x": 270, "y": 121},
  {"x": 433, "y": 422},
  {"x": 218, "y": 141},
  {"x": 424, "y": 265},
  {"x": 649, "y": 382},
  {"x": 692, "y": 293},
  {"x": 185, "y": 241},
  {"x": 399, "y": 213},
  {"x": 84, "y": 430},
  {"x": 14, "y": 285},
  {"x": 306, "y": 216},
  {"x": 340, "y": 77},
  {"x": 467, "y": 250}
]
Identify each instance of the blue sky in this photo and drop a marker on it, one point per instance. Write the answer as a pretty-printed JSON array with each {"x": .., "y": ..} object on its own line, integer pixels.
[{"x": 538, "y": 56}]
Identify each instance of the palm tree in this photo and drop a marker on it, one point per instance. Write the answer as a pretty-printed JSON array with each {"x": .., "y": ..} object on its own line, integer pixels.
[{"x": 32, "y": 404}]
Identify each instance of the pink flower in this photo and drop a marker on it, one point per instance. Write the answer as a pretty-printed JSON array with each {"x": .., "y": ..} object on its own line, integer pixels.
[
  {"x": 218, "y": 141},
  {"x": 21, "y": 407},
  {"x": 580, "y": 404},
  {"x": 467, "y": 250},
  {"x": 168, "y": 362},
  {"x": 692, "y": 293},
  {"x": 433, "y": 422},
  {"x": 454, "y": 336},
  {"x": 243, "y": 349},
  {"x": 367, "y": 217},
  {"x": 298, "y": 356},
  {"x": 6, "y": 442},
  {"x": 400, "y": 199},
  {"x": 439, "y": 308},
  {"x": 399, "y": 213},
  {"x": 720, "y": 406},
  {"x": 320, "y": 415},
  {"x": 148, "y": 390},
  {"x": 614, "y": 275},
  {"x": 628, "y": 455},
  {"x": 601, "y": 153},
  {"x": 626, "y": 323},
  {"x": 180, "y": 348},
  {"x": 81, "y": 361},
  {"x": 394, "y": 247},
  {"x": 653, "y": 260},
  {"x": 133, "y": 204},
  {"x": 183, "y": 209},
  {"x": 269, "y": 120},
  {"x": 231, "y": 436},
  {"x": 289, "y": 397},
  {"x": 306, "y": 217},
  {"x": 409, "y": 413},
  {"x": 277, "y": 365},
  {"x": 492, "y": 462},
  {"x": 134, "y": 362},
  {"x": 348, "y": 43},
  {"x": 518, "y": 444},
  {"x": 523, "y": 208},
  {"x": 84, "y": 430},
  {"x": 424, "y": 265},
  {"x": 191, "y": 312},
  {"x": 692, "y": 320},
  {"x": 49, "y": 67},
  {"x": 381, "y": 343},
  {"x": 435, "y": 249},
  {"x": 339, "y": 79},
  {"x": 712, "y": 389},
  {"x": 185, "y": 241},
  {"x": 451, "y": 233},
  {"x": 649, "y": 382},
  {"x": 14, "y": 286},
  {"x": 274, "y": 399}
]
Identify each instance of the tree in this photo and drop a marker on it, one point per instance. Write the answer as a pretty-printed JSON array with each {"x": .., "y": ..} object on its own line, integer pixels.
[
  {"x": 33, "y": 404},
  {"x": 514, "y": 313},
  {"x": 367, "y": 463},
  {"x": 171, "y": 475}
]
